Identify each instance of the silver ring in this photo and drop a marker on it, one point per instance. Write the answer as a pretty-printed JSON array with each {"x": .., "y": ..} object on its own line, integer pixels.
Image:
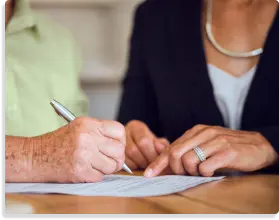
[{"x": 200, "y": 154}]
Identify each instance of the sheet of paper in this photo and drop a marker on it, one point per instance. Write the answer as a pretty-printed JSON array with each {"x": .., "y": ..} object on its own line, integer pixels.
[{"x": 115, "y": 185}]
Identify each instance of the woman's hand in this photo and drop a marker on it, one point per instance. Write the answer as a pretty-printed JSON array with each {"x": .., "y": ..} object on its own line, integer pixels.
[
  {"x": 223, "y": 148},
  {"x": 143, "y": 147}
]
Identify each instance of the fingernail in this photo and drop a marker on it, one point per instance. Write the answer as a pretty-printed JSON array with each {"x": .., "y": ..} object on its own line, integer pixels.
[{"x": 148, "y": 172}]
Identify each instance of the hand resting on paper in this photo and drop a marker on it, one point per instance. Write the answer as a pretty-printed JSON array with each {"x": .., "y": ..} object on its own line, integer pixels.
[
  {"x": 82, "y": 151},
  {"x": 224, "y": 148},
  {"x": 143, "y": 147}
]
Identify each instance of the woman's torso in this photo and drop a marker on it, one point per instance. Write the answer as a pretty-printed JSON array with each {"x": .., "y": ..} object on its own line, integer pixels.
[{"x": 177, "y": 57}]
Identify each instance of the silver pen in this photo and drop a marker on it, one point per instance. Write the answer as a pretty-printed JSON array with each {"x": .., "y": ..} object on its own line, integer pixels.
[{"x": 69, "y": 116}]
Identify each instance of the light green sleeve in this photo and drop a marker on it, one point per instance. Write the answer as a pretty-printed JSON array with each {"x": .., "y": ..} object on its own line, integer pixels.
[
  {"x": 81, "y": 106},
  {"x": 70, "y": 62}
]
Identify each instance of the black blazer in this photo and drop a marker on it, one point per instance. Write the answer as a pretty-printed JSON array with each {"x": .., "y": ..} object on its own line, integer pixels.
[{"x": 167, "y": 83}]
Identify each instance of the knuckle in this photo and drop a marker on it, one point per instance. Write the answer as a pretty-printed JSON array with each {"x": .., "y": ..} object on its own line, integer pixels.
[
  {"x": 212, "y": 131},
  {"x": 188, "y": 162},
  {"x": 112, "y": 128},
  {"x": 199, "y": 126},
  {"x": 257, "y": 134},
  {"x": 86, "y": 122},
  {"x": 143, "y": 142},
  {"x": 174, "y": 154},
  {"x": 131, "y": 151},
  {"x": 204, "y": 170},
  {"x": 82, "y": 120},
  {"x": 122, "y": 131},
  {"x": 165, "y": 140},
  {"x": 188, "y": 132},
  {"x": 220, "y": 138},
  {"x": 93, "y": 120},
  {"x": 120, "y": 128},
  {"x": 133, "y": 123},
  {"x": 224, "y": 139},
  {"x": 217, "y": 127}
]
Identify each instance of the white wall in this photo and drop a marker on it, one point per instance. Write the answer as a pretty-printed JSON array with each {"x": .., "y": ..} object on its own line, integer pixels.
[{"x": 102, "y": 29}]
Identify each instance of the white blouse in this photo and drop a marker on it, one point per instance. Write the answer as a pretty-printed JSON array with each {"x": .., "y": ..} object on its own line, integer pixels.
[{"x": 230, "y": 94}]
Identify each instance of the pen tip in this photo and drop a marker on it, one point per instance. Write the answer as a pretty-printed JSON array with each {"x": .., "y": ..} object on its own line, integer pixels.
[
  {"x": 130, "y": 171},
  {"x": 127, "y": 169}
]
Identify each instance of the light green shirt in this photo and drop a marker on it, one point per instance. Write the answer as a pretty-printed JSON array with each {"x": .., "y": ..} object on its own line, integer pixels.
[{"x": 41, "y": 63}]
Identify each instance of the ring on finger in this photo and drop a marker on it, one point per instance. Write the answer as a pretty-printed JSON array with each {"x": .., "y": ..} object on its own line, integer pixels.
[{"x": 200, "y": 154}]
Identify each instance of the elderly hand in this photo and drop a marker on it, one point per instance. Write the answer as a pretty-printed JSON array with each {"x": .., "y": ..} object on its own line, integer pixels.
[
  {"x": 143, "y": 147},
  {"x": 82, "y": 151},
  {"x": 223, "y": 148}
]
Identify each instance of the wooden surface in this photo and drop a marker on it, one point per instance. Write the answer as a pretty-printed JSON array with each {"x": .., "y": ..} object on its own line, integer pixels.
[{"x": 244, "y": 194}]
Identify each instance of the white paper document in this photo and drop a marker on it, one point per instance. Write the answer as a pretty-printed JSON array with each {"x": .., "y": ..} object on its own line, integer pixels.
[{"x": 115, "y": 185}]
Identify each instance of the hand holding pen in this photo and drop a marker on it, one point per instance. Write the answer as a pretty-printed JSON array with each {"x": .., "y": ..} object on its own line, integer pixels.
[{"x": 103, "y": 141}]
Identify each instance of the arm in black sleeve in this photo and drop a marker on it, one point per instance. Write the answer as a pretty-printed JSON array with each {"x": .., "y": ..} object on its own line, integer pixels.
[
  {"x": 139, "y": 99},
  {"x": 272, "y": 135}
]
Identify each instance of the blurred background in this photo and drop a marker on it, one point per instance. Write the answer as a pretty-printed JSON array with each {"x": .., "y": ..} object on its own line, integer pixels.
[{"x": 102, "y": 29}]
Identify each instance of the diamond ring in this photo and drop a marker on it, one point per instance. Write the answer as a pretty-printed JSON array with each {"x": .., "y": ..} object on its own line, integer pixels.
[{"x": 200, "y": 154}]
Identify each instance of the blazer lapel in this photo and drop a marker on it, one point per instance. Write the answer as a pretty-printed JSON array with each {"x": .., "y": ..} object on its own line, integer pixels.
[
  {"x": 191, "y": 73},
  {"x": 264, "y": 87}
]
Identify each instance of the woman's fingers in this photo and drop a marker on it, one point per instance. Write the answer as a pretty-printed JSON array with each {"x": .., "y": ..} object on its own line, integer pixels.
[
  {"x": 191, "y": 160},
  {"x": 143, "y": 139},
  {"x": 161, "y": 144},
  {"x": 130, "y": 163},
  {"x": 133, "y": 153},
  {"x": 178, "y": 150},
  {"x": 223, "y": 148},
  {"x": 164, "y": 160},
  {"x": 222, "y": 159},
  {"x": 159, "y": 165}
]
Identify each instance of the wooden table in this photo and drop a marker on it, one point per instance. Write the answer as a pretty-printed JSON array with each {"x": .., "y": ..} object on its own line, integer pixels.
[{"x": 251, "y": 194}]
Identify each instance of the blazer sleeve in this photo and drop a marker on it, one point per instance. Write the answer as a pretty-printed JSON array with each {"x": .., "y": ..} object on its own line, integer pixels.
[
  {"x": 272, "y": 135},
  {"x": 139, "y": 100}
]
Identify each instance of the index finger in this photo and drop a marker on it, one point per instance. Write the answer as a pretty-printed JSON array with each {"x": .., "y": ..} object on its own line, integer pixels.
[
  {"x": 143, "y": 138},
  {"x": 156, "y": 167},
  {"x": 140, "y": 132}
]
